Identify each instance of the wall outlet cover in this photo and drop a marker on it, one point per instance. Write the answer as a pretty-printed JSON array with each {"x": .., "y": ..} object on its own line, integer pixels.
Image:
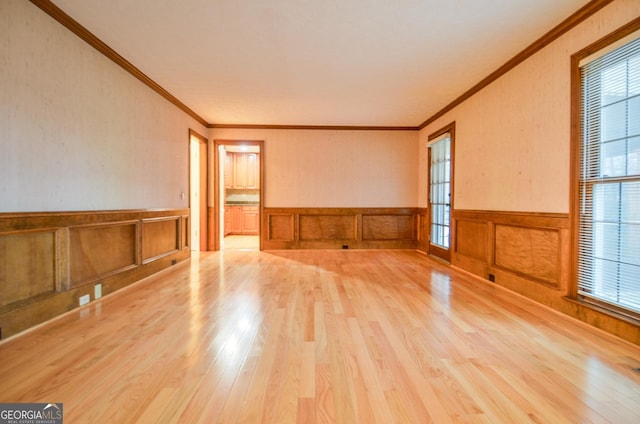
[{"x": 84, "y": 299}]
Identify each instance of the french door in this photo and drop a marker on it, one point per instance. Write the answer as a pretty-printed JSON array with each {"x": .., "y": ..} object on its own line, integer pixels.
[{"x": 440, "y": 184}]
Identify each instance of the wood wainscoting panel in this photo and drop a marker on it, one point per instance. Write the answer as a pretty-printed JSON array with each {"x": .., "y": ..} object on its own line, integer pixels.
[
  {"x": 527, "y": 252},
  {"x": 27, "y": 265},
  {"x": 280, "y": 227},
  {"x": 340, "y": 228},
  {"x": 48, "y": 259},
  {"x": 422, "y": 236},
  {"x": 185, "y": 233},
  {"x": 532, "y": 252},
  {"x": 327, "y": 227},
  {"x": 99, "y": 250},
  {"x": 160, "y": 237},
  {"x": 472, "y": 238},
  {"x": 388, "y": 227}
]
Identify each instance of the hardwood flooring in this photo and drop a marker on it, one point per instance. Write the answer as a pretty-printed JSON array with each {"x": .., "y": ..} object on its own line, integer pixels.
[
  {"x": 241, "y": 243},
  {"x": 321, "y": 337}
]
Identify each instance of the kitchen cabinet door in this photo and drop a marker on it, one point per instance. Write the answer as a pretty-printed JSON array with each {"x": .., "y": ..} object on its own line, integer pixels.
[
  {"x": 236, "y": 218},
  {"x": 244, "y": 170},
  {"x": 240, "y": 170},
  {"x": 250, "y": 220},
  {"x": 252, "y": 179},
  {"x": 228, "y": 220},
  {"x": 228, "y": 170}
]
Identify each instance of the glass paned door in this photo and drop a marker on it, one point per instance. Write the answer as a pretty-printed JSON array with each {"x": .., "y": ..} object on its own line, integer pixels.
[{"x": 440, "y": 196}]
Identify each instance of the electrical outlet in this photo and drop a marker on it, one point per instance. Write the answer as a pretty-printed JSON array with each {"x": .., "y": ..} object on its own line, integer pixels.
[
  {"x": 492, "y": 278},
  {"x": 84, "y": 299},
  {"x": 97, "y": 291}
]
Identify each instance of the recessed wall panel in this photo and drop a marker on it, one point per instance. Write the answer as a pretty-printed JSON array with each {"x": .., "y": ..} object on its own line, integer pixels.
[
  {"x": 101, "y": 249},
  {"x": 160, "y": 237},
  {"x": 388, "y": 227},
  {"x": 281, "y": 227},
  {"x": 327, "y": 227},
  {"x": 472, "y": 238},
  {"x": 27, "y": 265},
  {"x": 533, "y": 252}
]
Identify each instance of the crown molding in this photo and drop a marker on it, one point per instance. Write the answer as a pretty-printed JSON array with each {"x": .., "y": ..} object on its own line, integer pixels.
[
  {"x": 314, "y": 127},
  {"x": 72, "y": 25},
  {"x": 576, "y": 18}
]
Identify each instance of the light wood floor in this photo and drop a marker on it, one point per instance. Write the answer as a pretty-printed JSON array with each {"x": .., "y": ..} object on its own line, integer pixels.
[
  {"x": 241, "y": 243},
  {"x": 321, "y": 336}
]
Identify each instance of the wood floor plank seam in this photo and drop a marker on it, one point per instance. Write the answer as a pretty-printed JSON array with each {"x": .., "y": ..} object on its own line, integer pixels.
[{"x": 321, "y": 337}]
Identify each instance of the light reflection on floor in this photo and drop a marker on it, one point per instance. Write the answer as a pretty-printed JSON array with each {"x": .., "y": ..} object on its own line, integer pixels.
[{"x": 241, "y": 243}]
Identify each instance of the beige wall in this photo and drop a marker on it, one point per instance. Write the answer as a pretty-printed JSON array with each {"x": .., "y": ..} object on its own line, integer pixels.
[
  {"x": 327, "y": 168},
  {"x": 513, "y": 137},
  {"x": 76, "y": 131}
]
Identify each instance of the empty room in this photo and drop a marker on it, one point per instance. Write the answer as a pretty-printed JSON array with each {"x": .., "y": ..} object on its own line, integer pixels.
[{"x": 419, "y": 211}]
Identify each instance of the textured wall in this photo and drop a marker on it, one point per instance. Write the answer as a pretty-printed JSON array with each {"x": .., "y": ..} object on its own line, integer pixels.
[
  {"x": 513, "y": 137},
  {"x": 76, "y": 131},
  {"x": 326, "y": 168}
]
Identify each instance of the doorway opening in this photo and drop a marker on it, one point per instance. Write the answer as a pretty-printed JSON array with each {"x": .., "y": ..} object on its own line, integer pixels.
[
  {"x": 440, "y": 174},
  {"x": 238, "y": 195},
  {"x": 197, "y": 192}
]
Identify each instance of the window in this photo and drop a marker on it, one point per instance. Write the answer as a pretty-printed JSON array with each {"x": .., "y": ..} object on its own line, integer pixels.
[
  {"x": 608, "y": 242},
  {"x": 441, "y": 146},
  {"x": 439, "y": 190}
]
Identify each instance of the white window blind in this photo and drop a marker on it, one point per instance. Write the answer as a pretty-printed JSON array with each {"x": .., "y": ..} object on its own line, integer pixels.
[{"x": 609, "y": 232}]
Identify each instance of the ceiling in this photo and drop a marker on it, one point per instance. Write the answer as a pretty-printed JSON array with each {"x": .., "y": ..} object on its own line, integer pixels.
[{"x": 329, "y": 62}]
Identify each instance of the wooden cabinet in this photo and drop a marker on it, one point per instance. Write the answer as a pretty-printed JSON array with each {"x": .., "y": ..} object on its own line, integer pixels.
[
  {"x": 236, "y": 218},
  {"x": 252, "y": 170},
  {"x": 241, "y": 220},
  {"x": 229, "y": 224},
  {"x": 228, "y": 170},
  {"x": 250, "y": 220},
  {"x": 242, "y": 170}
]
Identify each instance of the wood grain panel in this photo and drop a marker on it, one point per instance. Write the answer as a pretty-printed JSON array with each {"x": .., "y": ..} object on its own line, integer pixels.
[
  {"x": 160, "y": 237},
  {"x": 47, "y": 259},
  {"x": 280, "y": 227},
  {"x": 529, "y": 251},
  {"x": 388, "y": 227},
  {"x": 184, "y": 232},
  {"x": 422, "y": 242},
  {"x": 27, "y": 265},
  {"x": 472, "y": 238},
  {"x": 327, "y": 227},
  {"x": 341, "y": 228},
  {"x": 96, "y": 251}
]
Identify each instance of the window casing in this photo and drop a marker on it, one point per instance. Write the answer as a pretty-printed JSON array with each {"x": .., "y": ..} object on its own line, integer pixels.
[{"x": 608, "y": 241}]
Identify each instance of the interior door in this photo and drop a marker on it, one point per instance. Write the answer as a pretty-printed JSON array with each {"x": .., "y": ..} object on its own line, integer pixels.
[
  {"x": 203, "y": 156},
  {"x": 440, "y": 167},
  {"x": 198, "y": 191}
]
